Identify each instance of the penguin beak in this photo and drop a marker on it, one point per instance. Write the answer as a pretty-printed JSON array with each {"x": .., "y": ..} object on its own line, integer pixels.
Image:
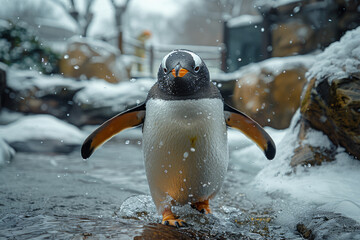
[{"x": 178, "y": 71}]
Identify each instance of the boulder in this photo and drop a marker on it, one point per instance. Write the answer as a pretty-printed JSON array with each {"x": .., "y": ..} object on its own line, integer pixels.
[
  {"x": 100, "y": 100},
  {"x": 335, "y": 110},
  {"x": 31, "y": 92},
  {"x": 78, "y": 102},
  {"x": 348, "y": 15},
  {"x": 292, "y": 37},
  {"x": 93, "y": 58},
  {"x": 312, "y": 146},
  {"x": 269, "y": 91},
  {"x": 331, "y": 101}
]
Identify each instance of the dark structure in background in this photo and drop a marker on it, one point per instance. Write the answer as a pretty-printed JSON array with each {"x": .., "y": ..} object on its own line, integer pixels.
[{"x": 290, "y": 29}]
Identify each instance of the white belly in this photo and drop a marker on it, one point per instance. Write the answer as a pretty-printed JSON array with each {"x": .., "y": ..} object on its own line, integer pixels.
[{"x": 185, "y": 149}]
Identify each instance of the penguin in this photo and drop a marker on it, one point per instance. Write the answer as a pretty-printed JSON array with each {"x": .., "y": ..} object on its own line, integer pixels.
[{"x": 185, "y": 146}]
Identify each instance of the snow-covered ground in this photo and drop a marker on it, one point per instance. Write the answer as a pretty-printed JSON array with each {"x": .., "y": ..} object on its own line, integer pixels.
[{"x": 331, "y": 187}]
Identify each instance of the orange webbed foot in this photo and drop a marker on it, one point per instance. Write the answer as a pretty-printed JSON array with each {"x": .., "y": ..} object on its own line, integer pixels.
[
  {"x": 169, "y": 219},
  {"x": 202, "y": 207}
]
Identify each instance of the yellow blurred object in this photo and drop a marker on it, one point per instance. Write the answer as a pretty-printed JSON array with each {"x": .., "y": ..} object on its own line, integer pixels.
[{"x": 140, "y": 51}]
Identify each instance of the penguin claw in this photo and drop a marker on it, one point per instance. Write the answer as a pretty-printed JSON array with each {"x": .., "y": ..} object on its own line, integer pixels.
[
  {"x": 178, "y": 223},
  {"x": 202, "y": 207}
]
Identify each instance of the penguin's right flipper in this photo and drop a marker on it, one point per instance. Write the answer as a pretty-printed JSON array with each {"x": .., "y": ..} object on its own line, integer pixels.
[
  {"x": 130, "y": 118},
  {"x": 236, "y": 119}
]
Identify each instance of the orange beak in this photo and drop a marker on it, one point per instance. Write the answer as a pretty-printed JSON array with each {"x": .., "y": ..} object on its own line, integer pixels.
[{"x": 180, "y": 73}]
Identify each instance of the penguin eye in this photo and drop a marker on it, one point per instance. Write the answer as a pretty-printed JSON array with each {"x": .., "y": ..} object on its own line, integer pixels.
[
  {"x": 165, "y": 70},
  {"x": 197, "y": 68}
]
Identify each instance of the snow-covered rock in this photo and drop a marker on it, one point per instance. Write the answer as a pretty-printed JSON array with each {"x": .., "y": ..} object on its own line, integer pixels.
[
  {"x": 331, "y": 101},
  {"x": 79, "y": 102},
  {"x": 41, "y": 133},
  {"x": 93, "y": 58},
  {"x": 339, "y": 61},
  {"x": 100, "y": 100},
  {"x": 6, "y": 152}
]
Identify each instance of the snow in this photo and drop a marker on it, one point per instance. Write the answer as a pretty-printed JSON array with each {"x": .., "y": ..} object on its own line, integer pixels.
[
  {"x": 6, "y": 152},
  {"x": 96, "y": 92},
  {"x": 244, "y": 20},
  {"x": 274, "y": 3},
  {"x": 331, "y": 187},
  {"x": 101, "y": 93},
  {"x": 41, "y": 127},
  {"x": 273, "y": 66},
  {"x": 22, "y": 80},
  {"x": 340, "y": 60},
  {"x": 102, "y": 48}
]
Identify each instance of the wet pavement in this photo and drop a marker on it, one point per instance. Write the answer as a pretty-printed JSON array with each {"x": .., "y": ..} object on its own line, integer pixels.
[{"x": 58, "y": 196}]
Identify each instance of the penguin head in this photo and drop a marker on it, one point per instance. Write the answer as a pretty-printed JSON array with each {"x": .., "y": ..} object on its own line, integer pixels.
[{"x": 182, "y": 72}]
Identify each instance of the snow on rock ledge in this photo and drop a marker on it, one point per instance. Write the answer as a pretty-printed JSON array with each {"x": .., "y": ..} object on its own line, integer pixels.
[
  {"x": 339, "y": 61},
  {"x": 78, "y": 102},
  {"x": 42, "y": 133},
  {"x": 100, "y": 100}
]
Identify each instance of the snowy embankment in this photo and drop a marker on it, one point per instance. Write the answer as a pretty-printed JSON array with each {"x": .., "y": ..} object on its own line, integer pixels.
[
  {"x": 331, "y": 187},
  {"x": 41, "y": 133}
]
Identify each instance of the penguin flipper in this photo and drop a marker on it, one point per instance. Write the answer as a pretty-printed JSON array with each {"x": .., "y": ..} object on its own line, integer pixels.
[
  {"x": 236, "y": 119},
  {"x": 130, "y": 118}
]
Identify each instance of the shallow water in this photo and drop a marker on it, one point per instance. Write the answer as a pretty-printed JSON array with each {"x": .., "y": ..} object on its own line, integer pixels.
[{"x": 50, "y": 196}]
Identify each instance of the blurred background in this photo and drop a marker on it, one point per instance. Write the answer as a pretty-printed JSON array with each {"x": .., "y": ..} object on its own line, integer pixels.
[{"x": 122, "y": 41}]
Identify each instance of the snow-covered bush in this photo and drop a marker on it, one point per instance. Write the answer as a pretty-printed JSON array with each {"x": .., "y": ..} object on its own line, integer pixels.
[{"x": 20, "y": 47}]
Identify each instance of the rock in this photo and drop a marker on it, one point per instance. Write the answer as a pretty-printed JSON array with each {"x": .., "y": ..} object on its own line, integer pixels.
[
  {"x": 42, "y": 133},
  {"x": 78, "y": 102},
  {"x": 93, "y": 58},
  {"x": 348, "y": 15},
  {"x": 334, "y": 109},
  {"x": 313, "y": 147},
  {"x": 293, "y": 37},
  {"x": 100, "y": 101},
  {"x": 269, "y": 91},
  {"x": 331, "y": 102},
  {"x": 327, "y": 225},
  {"x": 30, "y": 92}
]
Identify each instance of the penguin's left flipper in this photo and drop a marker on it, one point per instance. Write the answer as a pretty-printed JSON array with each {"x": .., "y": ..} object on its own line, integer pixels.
[
  {"x": 236, "y": 119},
  {"x": 130, "y": 118}
]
